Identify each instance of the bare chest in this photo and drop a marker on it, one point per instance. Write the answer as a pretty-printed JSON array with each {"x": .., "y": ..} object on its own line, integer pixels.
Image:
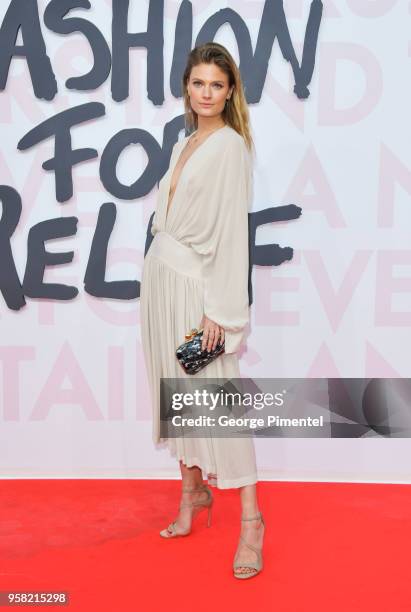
[{"x": 184, "y": 156}]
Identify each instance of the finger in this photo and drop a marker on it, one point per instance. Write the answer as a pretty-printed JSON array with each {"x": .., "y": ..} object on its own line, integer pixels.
[
  {"x": 204, "y": 340},
  {"x": 216, "y": 337},
  {"x": 210, "y": 340}
]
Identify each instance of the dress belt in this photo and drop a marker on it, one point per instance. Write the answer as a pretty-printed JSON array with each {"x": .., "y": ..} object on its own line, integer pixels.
[{"x": 181, "y": 258}]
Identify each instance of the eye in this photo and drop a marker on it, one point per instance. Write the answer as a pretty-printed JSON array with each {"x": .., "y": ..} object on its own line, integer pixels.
[{"x": 218, "y": 85}]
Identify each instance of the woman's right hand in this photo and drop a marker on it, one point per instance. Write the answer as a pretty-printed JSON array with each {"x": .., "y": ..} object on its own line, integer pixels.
[{"x": 212, "y": 334}]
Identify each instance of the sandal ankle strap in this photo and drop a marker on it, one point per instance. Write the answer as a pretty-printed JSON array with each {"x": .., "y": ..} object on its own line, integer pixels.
[
  {"x": 253, "y": 518},
  {"x": 193, "y": 489},
  {"x": 207, "y": 502}
]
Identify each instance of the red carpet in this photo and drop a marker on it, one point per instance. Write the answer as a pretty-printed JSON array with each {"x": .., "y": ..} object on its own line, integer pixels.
[{"x": 329, "y": 547}]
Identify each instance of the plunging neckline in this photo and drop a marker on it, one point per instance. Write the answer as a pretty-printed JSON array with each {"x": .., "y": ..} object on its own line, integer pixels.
[{"x": 168, "y": 203}]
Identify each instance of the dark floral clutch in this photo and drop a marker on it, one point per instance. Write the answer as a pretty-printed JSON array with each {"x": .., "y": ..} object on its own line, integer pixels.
[{"x": 190, "y": 355}]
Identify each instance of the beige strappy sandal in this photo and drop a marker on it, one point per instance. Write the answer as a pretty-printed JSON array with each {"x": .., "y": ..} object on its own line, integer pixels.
[
  {"x": 171, "y": 531},
  {"x": 257, "y": 565}
]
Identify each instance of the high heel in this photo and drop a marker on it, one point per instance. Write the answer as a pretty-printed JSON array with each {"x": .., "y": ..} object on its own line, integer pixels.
[
  {"x": 171, "y": 531},
  {"x": 257, "y": 565}
]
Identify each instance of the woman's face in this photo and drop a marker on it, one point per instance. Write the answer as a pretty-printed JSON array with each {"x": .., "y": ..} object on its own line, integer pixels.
[{"x": 208, "y": 89}]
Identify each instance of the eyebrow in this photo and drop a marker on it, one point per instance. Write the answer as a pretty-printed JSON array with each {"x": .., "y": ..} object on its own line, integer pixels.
[{"x": 198, "y": 79}]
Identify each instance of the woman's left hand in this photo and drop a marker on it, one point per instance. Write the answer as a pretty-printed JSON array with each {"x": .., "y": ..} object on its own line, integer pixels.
[{"x": 212, "y": 334}]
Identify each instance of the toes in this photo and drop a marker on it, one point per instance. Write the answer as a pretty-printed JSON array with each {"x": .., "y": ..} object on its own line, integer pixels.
[
  {"x": 168, "y": 532},
  {"x": 245, "y": 570}
]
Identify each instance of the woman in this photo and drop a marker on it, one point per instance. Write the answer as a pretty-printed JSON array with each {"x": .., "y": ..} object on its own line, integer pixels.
[{"x": 195, "y": 275}]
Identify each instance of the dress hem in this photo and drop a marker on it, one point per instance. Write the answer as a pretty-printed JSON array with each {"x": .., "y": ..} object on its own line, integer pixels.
[{"x": 210, "y": 473}]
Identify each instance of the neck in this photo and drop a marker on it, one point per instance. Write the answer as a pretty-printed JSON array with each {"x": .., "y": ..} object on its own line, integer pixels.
[{"x": 206, "y": 124}]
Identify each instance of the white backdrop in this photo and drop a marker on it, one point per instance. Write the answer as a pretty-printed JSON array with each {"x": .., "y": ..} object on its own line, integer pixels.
[{"x": 74, "y": 396}]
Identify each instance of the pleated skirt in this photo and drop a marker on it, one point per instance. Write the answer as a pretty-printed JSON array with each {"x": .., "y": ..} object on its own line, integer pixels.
[{"x": 171, "y": 304}]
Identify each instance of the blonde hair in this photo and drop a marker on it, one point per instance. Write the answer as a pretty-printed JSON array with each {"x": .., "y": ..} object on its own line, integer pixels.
[{"x": 235, "y": 112}]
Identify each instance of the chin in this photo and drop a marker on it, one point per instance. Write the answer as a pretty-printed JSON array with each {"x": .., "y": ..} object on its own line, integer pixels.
[{"x": 207, "y": 111}]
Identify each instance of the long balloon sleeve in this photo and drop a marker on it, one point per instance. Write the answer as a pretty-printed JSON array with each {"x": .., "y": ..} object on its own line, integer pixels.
[{"x": 225, "y": 241}]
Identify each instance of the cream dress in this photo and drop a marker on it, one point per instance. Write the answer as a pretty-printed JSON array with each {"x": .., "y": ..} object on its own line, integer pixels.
[{"x": 198, "y": 263}]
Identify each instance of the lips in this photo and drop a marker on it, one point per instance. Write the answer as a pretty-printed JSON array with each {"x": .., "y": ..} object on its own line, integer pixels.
[{"x": 205, "y": 104}]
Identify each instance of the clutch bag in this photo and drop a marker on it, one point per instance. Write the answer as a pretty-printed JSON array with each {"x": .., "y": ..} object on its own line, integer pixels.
[{"x": 190, "y": 355}]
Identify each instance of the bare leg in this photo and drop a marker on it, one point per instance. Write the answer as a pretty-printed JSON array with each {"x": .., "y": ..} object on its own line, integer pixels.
[
  {"x": 191, "y": 479},
  {"x": 252, "y": 531},
  {"x": 191, "y": 476}
]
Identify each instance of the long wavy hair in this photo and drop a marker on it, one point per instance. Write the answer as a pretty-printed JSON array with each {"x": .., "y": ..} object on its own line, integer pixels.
[{"x": 235, "y": 112}]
